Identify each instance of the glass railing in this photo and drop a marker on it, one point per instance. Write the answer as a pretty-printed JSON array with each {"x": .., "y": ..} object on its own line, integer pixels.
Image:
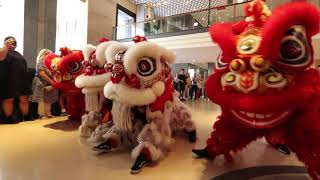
[
  {"x": 182, "y": 22},
  {"x": 191, "y": 21}
]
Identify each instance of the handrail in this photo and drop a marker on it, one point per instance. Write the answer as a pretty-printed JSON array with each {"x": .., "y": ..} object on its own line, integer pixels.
[{"x": 181, "y": 14}]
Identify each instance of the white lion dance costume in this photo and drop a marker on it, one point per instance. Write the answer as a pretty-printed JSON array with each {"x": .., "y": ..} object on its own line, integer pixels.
[
  {"x": 145, "y": 108},
  {"x": 96, "y": 75}
]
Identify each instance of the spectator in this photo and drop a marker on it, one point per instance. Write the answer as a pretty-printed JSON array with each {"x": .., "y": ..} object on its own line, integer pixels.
[
  {"x": 14, "y": 77},
  {"x": 176, "y": 82},
  {"x": 44, "y": 93},
  {"x": 200, "y": 84},
  {"x": 188, "y": 86},
  {"x": 194, "y": 88},
  {"x": 182, "y": 83}
]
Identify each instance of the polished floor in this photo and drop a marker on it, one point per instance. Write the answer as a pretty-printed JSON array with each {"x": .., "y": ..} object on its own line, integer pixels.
[{"x": 52, "y": 150}]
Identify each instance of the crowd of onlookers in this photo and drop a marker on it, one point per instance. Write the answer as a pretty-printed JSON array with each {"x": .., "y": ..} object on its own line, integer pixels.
[
  {"x": 189, "y": 88},
  {"x": 26, "y": 93}
]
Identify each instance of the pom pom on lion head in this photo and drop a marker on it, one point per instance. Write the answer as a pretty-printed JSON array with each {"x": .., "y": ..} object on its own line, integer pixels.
[{"x": 141, "y": 75}]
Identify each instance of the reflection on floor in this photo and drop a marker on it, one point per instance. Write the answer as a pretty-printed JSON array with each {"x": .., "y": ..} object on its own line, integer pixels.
[{"x": 52, "y": 150}]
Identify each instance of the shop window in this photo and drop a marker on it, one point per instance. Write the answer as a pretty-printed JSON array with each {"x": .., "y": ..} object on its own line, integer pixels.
[{"x": 125, "y": 23}]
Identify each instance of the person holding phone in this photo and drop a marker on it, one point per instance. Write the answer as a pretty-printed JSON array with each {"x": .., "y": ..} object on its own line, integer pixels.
[{"x": 14, "y": 79}]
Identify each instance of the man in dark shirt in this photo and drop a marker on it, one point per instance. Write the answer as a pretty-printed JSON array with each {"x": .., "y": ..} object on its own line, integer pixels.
[
  {"x": 14, "y": 80},
  {"x": 182, "y": 83}
]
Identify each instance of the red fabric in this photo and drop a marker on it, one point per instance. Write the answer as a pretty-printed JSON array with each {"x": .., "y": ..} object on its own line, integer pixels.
[
  {"x": 167, "y": 95},
  {"x": 222, "y": 34},
  {"x": 113, "y": 142},
  {"x": 107, "y": 117},
  {"x": 147, "y": 154}
]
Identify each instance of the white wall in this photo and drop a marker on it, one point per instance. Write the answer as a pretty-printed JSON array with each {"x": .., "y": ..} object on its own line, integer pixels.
[{"x": 12, "y": 21}]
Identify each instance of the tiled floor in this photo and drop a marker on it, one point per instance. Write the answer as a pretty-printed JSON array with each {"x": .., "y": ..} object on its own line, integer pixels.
[{"x": 52, "y": 150}]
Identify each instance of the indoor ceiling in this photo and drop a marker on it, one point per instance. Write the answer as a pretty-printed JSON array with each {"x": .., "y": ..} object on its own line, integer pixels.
[{"x": 164, "y": 8}]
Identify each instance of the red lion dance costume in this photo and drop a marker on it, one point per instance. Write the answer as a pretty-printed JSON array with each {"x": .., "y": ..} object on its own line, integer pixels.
[
  {"x": 265, "y": 84},
  {"x": 65, "y": 69}
]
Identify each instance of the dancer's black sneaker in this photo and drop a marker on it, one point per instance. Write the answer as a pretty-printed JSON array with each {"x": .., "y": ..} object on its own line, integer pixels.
[
  {"x": 138, "y": 164},
  {"x": 192, "y": 136},
  {"x": 103, "y": 147},
  {"x": 283, "y": 149},
  {"x": 200, "y": 153}
]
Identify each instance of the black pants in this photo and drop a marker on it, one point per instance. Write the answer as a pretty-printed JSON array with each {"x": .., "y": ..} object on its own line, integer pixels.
[{"x": 193, "y": 91}]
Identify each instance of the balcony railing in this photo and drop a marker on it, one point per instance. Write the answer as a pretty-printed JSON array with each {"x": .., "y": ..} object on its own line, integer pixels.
[
  {"x": 191, "y": 22},
  {"x": 188, "y": 22}
]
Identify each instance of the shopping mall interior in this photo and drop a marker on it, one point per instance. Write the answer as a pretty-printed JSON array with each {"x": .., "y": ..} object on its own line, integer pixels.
[{"x": 126, "y": 89}]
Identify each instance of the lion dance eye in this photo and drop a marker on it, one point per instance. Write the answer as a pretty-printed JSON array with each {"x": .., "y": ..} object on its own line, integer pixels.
[
  {"x": 146, "y": 66},
  {"x": 237, "y": 65},
  {"x": 74, "y": 67},
  {"x": 294, "y": 49}
]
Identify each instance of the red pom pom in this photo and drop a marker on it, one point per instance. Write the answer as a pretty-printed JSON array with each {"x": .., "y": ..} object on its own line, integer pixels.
[
  {"x": 100, "y": 71},
  {"x": 89, "y": 71},
  {"x": 133, "y": 81},
  {"x": 85, "y": 63},
  {"x": 138, "y": 39},
  {"x": 103, "y": 39},
  {"x": 65, "y": 51}
]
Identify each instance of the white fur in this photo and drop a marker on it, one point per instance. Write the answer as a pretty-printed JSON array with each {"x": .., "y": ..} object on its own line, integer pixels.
[
  {"x": 88, "y": 123},
  {"x": 150, "y": 132},
  {"x": 111, "y": 135},
  {"x": 97, "y": 134},
  {"x": 112, "y": 51},
  {"x": 180, "y": 118},
  {"x": 92, "y": 90},
  {"x": 87, "y": 51},
  {"x": 146, "y": 49},
  {"x": 162, "y": 121},
  {"x": 42, "y": 53},
  {"x": 83, "y": 81},
  {"x": 154, "y": 152},
  {"x": 158, "y": 88},
  {"x": 130, "y": 96},
  {"x": 100, "y": 52}
]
